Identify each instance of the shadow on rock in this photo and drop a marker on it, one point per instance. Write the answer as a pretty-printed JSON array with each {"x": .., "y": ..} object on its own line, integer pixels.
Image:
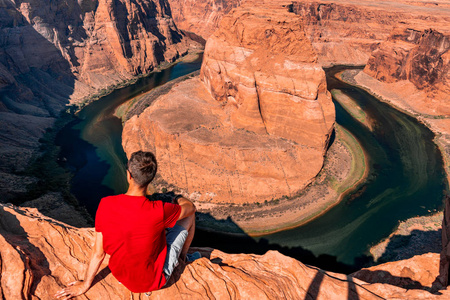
[
  {"x": 419, "y": 242},
  {"x": 237, "y": 241},
  {"x": 17, "y": 237}
]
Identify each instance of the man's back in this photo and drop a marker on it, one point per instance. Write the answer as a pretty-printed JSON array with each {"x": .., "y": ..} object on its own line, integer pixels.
[{"x": 134, "y": 236}]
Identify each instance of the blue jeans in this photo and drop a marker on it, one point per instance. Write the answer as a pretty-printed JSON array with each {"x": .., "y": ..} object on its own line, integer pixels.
[{"x": 175, "y": 239}]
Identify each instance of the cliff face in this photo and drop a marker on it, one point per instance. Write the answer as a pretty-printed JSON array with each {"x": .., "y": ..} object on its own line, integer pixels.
[
  {"x": 257, "y": 124},
  {"x": 342, "y": 32},
  {"x": 201, "y": 17},
  {"x": 419, "y": 57},
  {"x": 40, "y": 255},
  {"x": 56, "y": 53}
]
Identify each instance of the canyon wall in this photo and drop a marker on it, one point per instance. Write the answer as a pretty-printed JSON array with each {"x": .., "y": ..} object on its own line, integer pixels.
[
  {"x": 254, "y": 126},
  {"x": 411, "y": 70},
  {"x": 39, "y": 255},
  {"x": 343, "y": 32},
  {"x": 347, "y": 32},
  {"x": 419, "y": 61},
  {"x": 201, "y": 17},
  {"x": 56, "y": 53}
]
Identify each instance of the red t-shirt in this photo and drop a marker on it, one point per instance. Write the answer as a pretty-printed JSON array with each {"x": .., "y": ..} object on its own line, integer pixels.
[{"x": 133, "y": 231}]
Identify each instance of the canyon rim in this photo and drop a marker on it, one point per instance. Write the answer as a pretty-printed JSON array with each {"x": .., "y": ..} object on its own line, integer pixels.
[{"x": 253, "y": 126}]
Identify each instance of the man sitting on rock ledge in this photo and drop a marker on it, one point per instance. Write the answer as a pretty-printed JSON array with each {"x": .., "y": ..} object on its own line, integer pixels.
[{"x": 144, "y": 238}]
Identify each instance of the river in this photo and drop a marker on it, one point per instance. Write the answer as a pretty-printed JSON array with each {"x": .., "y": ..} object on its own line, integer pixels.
[{"x": 406, "y": 177}]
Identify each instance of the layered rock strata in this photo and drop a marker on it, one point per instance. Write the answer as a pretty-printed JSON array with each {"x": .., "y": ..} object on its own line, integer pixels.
[
  {"x": 53, "y": 54},
  {"x": 419, "y": 61},
  {"x": 411, "y": 71},
  {"x": 342, "y": 32},
  {"x": 348, "y": 32},
  {"x": 256, "y": 124},
  {"x": 201, "y": 17},
  {"x": 39, "y": 255}
]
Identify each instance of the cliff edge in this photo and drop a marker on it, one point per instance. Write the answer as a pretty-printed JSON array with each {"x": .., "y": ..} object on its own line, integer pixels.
[{"x": 39, "y": 255}]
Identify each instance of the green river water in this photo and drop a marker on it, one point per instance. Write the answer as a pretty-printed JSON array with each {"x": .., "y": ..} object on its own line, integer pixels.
[{"x": 406, "y": 177}]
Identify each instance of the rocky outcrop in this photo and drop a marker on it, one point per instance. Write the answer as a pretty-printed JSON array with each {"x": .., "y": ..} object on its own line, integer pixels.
[
  {"x": 40, "y": 255},
  {"x": 201, "y": 17},
  {"x": 444, "y": 266},
  {"x": 256, "y": 124},
  {"x": 54, "y": 54},
  {"x": 419, "y": 59}
]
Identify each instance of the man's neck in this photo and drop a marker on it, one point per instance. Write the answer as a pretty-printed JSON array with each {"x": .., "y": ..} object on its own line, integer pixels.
[{"x": 134, "y": 190}]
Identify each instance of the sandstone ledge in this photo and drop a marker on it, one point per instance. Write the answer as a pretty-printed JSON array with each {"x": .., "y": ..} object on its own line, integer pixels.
[{"x": 39, "y": 255}]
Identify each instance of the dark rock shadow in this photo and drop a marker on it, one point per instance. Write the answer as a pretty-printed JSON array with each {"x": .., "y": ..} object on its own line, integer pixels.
[
  {"x": 36, "y": 81},
  {"x": 239, "y": 242},
  {"x": 314, "y": 288},
  {"x": 17, "y": 237},
  {"x": 419, "y": 242},
  {"x": 352, "y": 292},
  {"x": 101, "y": 275},
  {"x": 381, "y": 276}
]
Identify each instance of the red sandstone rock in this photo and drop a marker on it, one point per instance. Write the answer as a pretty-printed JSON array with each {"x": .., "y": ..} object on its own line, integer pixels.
[
  {"x": 58, "y": 53},
  {"x": 39, "y": 255},
  {"x": 414, "y": 273},
  {"x": 444, "y": 267},
  {"x": 341, "y": 32},
  {"x": 421, "y": 58},
  {"x": 201, "y": 17},
  {"x": 263, "y": 132}
]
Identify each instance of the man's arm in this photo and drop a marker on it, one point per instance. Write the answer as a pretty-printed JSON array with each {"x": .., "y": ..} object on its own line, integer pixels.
[
  {"x": 187, "y": 207},
  {"x": 80, "y": 287}
]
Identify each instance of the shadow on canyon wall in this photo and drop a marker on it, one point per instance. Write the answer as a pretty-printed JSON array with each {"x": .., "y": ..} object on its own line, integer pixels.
[
  {"x": 35, "y": 86},
  {"x": 43, "y": 77}
]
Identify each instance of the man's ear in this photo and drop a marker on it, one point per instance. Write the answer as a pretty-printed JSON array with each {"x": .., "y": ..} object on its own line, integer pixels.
[{"x": 129, "y": 177}]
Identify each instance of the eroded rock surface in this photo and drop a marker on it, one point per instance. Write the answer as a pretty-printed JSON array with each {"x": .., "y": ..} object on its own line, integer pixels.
[
  {"x": 201, "y": 17},
  {"x": 56, "y": 53},
  {"x": 420, "y": 61},
  {"x": 39, "y": 255},
  {"x": 256, "y": 124},
  {"x": 346, "y": 32},
  {"x": 342, "y": 32}
]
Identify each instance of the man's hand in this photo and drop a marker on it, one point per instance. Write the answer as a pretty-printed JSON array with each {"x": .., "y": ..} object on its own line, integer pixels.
[
  {"x": 73, "y": 289},
  {"x": 77, "y": 288}
]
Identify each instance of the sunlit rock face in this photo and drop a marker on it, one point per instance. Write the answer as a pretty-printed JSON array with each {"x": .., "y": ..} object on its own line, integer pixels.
[
  {"x": 40, "y": 255},
  {"x": 341, "y": 32},
  {"x": 346, "y": 32},
  {"x": 201, "y": 17},
  {"x": 55, "y": 53},
  {"x": 256, "y": 124},
  {"x": 419, "y": 57}
]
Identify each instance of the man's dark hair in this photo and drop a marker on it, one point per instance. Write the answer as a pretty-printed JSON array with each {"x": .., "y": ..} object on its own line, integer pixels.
[{"x": 142, "y": 167}]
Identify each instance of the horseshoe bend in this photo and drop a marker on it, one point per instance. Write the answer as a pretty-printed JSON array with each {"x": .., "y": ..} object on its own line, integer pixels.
[
  {"x": 254, "y": 125},
  {"x": 254, "y": 138}
]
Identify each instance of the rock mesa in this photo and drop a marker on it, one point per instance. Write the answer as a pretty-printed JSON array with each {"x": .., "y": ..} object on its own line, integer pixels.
[{"x": 255, "y": 125}]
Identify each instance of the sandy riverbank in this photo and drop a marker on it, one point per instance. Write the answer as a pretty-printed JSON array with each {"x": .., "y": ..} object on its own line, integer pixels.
[
  {"x": 344, "y": 169},
  {"x": 420, "y": 234},
  {"x": 411, "y": 101}
]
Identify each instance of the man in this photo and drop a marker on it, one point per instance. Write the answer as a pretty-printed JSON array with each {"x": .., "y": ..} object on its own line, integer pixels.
[{"x": 144, "y": 238}]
